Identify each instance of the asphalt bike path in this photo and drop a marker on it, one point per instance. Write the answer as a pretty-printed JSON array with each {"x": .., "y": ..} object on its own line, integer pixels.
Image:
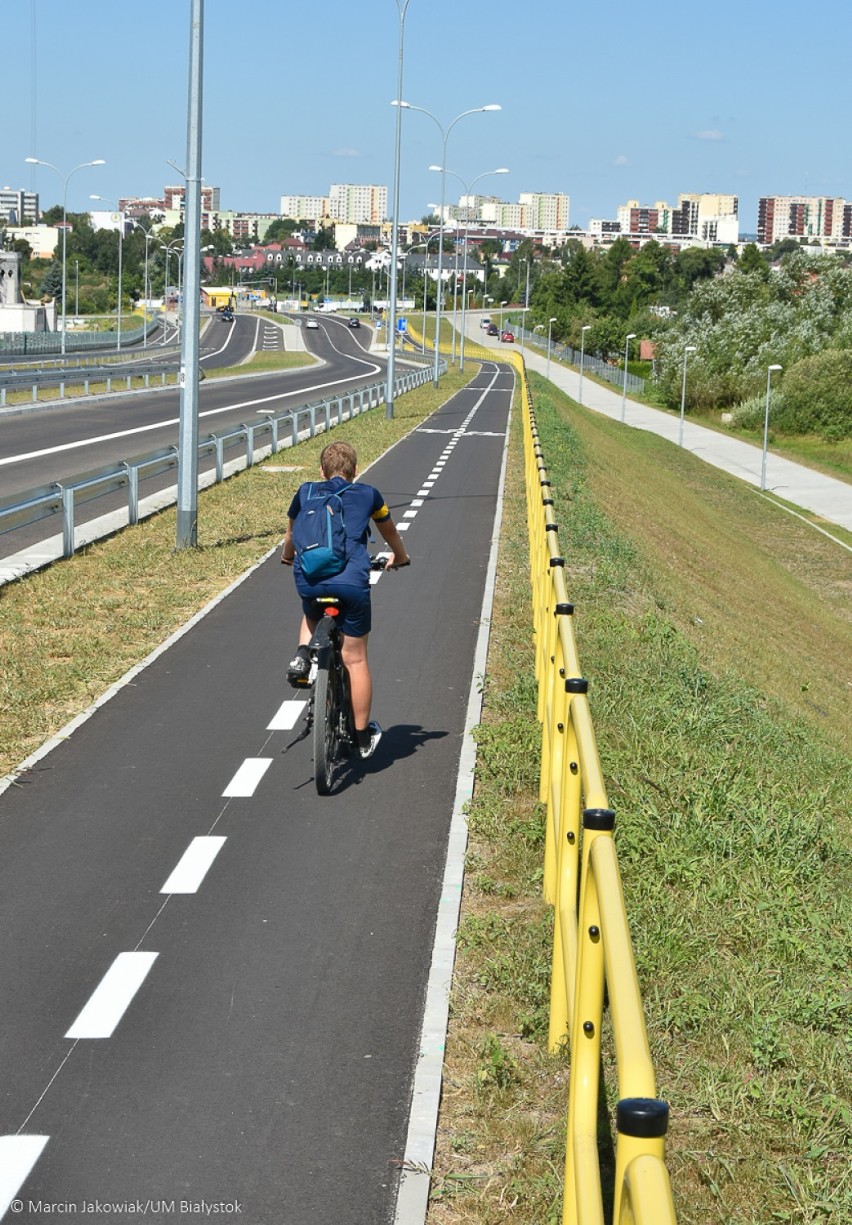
[{"x": 212, "y": 978}]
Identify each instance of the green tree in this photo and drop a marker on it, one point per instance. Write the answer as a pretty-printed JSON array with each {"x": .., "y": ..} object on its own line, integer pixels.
[
  {"x": 751, "y": 260},
  {"x": 51, "y": 285}
]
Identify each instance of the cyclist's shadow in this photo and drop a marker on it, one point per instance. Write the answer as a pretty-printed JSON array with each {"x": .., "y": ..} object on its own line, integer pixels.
[{"x": 399, "y": 741}]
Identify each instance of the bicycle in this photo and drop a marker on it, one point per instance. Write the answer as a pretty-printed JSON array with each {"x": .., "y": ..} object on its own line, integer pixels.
[{"x": 329, "y": 715}]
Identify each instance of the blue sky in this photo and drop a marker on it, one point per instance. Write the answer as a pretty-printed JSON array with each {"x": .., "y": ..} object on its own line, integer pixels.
[{"x": 603, "y": 102}]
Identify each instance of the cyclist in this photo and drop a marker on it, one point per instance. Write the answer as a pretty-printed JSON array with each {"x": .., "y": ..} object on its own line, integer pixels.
[{"x": 362, "y": 505}]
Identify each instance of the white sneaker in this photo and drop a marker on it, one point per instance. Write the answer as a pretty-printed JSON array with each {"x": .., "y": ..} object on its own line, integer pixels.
[{"x": 375, "y": 736}]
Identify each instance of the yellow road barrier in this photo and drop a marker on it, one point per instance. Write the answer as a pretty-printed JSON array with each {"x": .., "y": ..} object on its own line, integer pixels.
[{"x": 592, "y": 948}]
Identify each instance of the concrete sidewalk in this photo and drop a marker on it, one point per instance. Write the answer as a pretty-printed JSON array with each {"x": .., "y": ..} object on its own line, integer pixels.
[{"x": 825, "y": 496}]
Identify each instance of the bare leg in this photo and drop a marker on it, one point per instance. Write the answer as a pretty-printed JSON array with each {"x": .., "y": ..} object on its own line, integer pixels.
[{"x": 360, "y": 680}]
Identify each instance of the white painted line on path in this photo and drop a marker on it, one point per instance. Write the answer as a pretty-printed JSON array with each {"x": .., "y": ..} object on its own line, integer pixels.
[
  {"x": 194, "y": 865},
  {"x": 112, "y": 996},
  {"x": 287, "y": 716},
  {"x": 245, "y": 781},
  {"x": 18, "y": 1155}
]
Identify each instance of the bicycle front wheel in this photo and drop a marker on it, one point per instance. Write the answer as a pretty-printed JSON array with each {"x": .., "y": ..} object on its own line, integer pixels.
[{"x": 326, "y": 720}]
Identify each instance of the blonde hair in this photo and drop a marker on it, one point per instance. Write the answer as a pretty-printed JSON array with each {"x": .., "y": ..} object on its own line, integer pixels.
[{"x": 338, "y": 459}]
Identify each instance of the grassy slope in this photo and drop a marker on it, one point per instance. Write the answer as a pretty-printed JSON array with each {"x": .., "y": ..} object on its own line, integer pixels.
[{"x": 714, "y": 632}]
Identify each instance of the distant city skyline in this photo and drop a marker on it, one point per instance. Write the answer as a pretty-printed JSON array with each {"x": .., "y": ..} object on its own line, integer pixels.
[{"x": 603, "y": 112}]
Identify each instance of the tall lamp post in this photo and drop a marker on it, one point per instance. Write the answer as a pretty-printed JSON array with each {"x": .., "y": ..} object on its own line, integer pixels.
[
  {"x": 766, "y": 427},
  {"x": 550, "y": 324},
  {"x": 689, "y": 349},
  {"x": 104, "y": 200},
  {"x": 585, "y": 328},
  {"x": 168, "y": 247},
  {"x": 402, "y": 9},
  {"x": 37, "y": 161},
  {"x": 467, "y": 189},
  {"x": 149, "y": 236},
  {"x": 630, "y": 336},
  {"x": 445, "y": 136}
]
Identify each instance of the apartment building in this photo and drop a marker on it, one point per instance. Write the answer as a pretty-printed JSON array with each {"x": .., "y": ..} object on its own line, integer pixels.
[
  {"x": 358, "y": 204},
  {"x": 826, "y": 218},
  {"x": 305, "y": 208},
  {"x": 17, "y": 207},
  {"x": 543, "y": 210}
]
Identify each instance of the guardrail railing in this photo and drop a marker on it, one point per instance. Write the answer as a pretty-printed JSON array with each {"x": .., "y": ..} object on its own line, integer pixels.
[
  {"x": 69, "y": 379},
  {"x": 592, "y": 949},
  {"x": 266, "y": 437},
  {"x": 591, "y": 365}
]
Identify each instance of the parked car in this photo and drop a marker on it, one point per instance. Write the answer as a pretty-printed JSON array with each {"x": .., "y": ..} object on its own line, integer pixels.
[
  {"x": 354, "y": 323},
  {"x": 311, "y": 323},
  {"x": 508, "y": 337},
  {"x": 492, "y": 330}
]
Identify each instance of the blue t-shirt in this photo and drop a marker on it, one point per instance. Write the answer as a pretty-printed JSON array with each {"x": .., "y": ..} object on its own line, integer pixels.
[{"x": 362, "y": 505}]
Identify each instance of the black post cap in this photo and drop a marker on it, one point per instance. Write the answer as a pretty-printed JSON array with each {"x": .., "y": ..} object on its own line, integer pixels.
[
  {"x": 576, "y": 684},
  {"x": 645, "y": 1117},
  {"x": 598, "y": 818}
]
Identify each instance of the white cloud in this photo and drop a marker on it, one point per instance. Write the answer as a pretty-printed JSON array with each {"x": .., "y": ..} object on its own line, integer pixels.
[
  {"x": 346, "y": 153},
  {"x": 709, "y": 134},
  {"x": 621, "y": 160}
]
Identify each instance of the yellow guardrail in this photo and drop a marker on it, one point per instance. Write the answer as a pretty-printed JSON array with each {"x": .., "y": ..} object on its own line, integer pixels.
[{"x": 592, "y": 948}]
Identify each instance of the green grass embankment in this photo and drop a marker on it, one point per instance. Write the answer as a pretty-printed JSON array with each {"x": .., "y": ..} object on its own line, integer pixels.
[{"x": 715, "y": 634}]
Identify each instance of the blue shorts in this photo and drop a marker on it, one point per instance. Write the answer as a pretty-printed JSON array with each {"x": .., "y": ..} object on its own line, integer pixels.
[{"x": 355, "y": 609}]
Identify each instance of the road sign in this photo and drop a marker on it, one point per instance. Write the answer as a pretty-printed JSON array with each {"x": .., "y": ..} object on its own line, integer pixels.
[{"x": 401, "y": 325}]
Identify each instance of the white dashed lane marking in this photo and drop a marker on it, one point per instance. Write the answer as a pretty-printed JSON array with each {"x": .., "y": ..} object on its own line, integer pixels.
[
  {"x": 18, "y": 1155},
  {"x": 245, "y": 781},
  {"x": 287, "y": 716},
  {"x": 194, "y": 865},
  {"x": 112, "y": 996}
]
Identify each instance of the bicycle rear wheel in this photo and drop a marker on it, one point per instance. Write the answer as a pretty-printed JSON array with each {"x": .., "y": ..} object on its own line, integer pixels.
[{"x": 326, "y": 723}]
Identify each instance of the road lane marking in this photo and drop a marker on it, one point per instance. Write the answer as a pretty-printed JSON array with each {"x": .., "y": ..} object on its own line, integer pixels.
[
  {"x": 245, "y": 781},
  {"x": 18, "y": 1155},
  {"x": 111, "y": 997},
  {"x": 287, "y": 716},
  {"x": 194, "y": 865}
]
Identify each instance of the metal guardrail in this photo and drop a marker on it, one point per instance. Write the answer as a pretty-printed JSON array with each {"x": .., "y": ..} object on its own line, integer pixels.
[
  {"x": 592, "y": 950},
  {"x": 77, "y": 376},
  {"x": 16, "y": 344},
  {"x": 591, "y": 365},
  {"x": 270, "y": 435}
]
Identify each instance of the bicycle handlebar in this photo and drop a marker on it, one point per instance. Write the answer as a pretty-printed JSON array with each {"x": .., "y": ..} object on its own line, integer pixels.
[{"x": 382, "y": 562}]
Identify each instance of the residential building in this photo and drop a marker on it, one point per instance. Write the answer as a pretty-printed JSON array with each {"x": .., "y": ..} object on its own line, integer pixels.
[
  {"x": 304, "y": 208},
  {"x": 824, "y": 218},
  {"x": 356, "y": 203},
  {"x": 544, "y": 210},
  {"x": 17, "y": 207}
]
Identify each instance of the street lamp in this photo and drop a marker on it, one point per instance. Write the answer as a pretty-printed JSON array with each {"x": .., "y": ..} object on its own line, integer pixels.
[
  {"x": 550, "y": 324},
  {"x": 630, "y": 336},
  {"x": 148, "y": 235},
  {"x": 585, "y": 328},
  {"x": 468, "y": 191},
  {"x": 402, "y": 9},
  {"x": 167, "y": 247},
  {"x": 36, "y": 161},
  {"x": 689, "y": 349},
  {"x": 104, "y": 200},
  {"x": 766, "y": 427},
  {"x": 445, "y": 135}
]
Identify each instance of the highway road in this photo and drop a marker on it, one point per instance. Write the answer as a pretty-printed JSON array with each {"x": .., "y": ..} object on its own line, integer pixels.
[
  {"x": 51, "y": 444},
  {"x": 213, "y": 980},
  {"x": 64, "y": 441}
]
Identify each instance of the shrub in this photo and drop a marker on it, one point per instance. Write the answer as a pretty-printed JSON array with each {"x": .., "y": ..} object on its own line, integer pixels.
[{"x": 818, "y": 396}]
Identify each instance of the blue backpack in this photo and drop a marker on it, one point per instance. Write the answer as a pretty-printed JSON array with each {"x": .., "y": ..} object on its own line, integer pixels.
[{"x": 319, "y": 534}]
